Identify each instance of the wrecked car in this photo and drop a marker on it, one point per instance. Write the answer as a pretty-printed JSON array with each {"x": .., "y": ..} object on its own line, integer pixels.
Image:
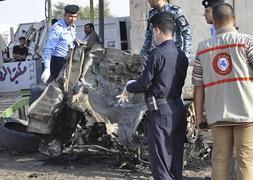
[
  {"x": 79, "y": 110},
  {"x": 82, "y": 100}
]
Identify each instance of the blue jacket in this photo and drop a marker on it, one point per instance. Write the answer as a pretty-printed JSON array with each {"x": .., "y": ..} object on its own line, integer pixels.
[
  {"x": 182, "y": 35},
  {"x": 164, "y": 74},
  {"x": 60, "y": 36}
]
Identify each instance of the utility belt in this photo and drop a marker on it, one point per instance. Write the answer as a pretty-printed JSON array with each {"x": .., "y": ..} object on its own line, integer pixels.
[
  {"x": 58, "y": 58},
  {"x": 153, "y": 103}
]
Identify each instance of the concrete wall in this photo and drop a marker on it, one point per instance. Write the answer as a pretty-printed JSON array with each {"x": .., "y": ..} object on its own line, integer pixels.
[
  {"x": 138, "y": 14},
  {"x": 244, "y": 15},
  {"x": 193, "y": 11}
]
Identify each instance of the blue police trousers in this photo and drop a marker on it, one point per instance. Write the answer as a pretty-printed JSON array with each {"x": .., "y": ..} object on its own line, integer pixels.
[
  {"x": 56, "y": 66},
  {"x": 166, "y": 137}
]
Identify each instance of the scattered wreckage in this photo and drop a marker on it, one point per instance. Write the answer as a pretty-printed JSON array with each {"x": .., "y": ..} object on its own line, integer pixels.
[
  {"x": 83, "y": 100},
  {"x": 79, "y": 111}
]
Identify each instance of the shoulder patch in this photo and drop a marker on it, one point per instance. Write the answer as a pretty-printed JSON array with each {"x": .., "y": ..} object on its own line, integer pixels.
[
  {"x": 175, "y": 10},
  {"x": 183, "y": 21}
]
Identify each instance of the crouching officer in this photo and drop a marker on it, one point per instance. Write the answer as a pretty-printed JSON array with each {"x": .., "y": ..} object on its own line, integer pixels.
[
  {"x": 60, "y": 37},
  {"x": 162, "y": 81}
]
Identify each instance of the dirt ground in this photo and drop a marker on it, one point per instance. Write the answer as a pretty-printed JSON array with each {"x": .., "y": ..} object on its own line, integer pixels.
[{"x": 37, "y": 166}]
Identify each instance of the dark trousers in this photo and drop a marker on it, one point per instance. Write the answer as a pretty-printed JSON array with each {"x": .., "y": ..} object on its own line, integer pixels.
[
  {"x": 56, "y": 66},
  {"x": 166, "y": 137}
]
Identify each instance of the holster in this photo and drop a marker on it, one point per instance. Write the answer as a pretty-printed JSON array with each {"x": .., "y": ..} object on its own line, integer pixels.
[{"x": 153, "y": 103}]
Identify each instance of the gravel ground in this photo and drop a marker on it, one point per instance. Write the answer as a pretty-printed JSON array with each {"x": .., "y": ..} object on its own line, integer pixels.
[{"x": 37, "y": 166}]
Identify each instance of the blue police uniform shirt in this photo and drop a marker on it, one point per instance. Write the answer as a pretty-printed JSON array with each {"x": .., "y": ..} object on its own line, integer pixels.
[
  {"x": 164, "y": 74},
  {"x": 213, "y": 31},
  {"x": 60, "y": 36},
  {"x": 182, "y": 35}
]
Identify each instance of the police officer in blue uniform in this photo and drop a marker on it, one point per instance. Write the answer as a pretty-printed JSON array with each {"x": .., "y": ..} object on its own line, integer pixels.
[
  {"x": 209, "y": 5},
  {"x": 182, "y": 35},
  {"x": 60, "y": 37},
  {"x": 162, "y": 81}
]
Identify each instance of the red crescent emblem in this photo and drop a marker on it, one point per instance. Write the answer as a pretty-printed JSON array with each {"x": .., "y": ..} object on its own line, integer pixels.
[{"x": 222, "y": 64}]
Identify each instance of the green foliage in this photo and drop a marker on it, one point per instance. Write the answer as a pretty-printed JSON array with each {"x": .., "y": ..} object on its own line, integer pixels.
[
  {"x": 84, "y": 12},
  {"x": 58, "y": 10}
]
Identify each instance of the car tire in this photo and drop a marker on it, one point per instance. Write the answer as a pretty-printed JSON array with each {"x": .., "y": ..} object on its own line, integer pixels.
[{"x": 14, "y": 137}]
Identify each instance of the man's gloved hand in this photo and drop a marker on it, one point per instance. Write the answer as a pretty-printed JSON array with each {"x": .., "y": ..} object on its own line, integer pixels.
[
  {"x": 45, "y": 75},
  {"x": 124, "y": 96}
]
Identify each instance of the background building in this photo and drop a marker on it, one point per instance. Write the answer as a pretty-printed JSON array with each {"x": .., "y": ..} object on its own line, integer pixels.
[{"x": 193, "y": 11}]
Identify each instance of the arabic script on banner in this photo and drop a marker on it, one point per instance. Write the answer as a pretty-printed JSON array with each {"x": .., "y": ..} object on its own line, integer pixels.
[
  {"x": 13, "y": 73},
  {"x": 17, "y": 75}
]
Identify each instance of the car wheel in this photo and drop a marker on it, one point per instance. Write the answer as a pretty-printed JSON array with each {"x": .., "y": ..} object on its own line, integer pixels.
[{"x": 14, "y": 137}]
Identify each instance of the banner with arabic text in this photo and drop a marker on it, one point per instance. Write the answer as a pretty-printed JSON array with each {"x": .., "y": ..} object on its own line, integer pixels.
[{"x": 15, "y": 76}]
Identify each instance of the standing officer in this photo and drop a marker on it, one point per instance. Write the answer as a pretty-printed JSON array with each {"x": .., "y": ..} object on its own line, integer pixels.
[
  {"x": 162, "y": 81},
  {"x": 208, "y": 5},
  {"x": 182, "y": 35},
  {"x": 60, "y": 37}
]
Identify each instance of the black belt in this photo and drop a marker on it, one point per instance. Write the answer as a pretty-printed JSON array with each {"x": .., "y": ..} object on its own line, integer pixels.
[
  {"x": 58, "y": 57},
  {"x": 153, "y": 104},
  {"x": 161, "y": 101}
]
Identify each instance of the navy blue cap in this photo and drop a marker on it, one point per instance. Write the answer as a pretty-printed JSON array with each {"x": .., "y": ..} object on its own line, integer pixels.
[
  {"x": 161, "y": 16},
  {"x": 71, "y": 9},
  {"x": 212, "y": 3}
]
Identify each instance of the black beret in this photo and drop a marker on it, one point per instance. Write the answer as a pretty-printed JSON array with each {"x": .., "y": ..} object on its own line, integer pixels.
[
  {"x": 71, "y": 9},
  {"x": 162, "y": 16},
  {"x": 212, "y": 3}
]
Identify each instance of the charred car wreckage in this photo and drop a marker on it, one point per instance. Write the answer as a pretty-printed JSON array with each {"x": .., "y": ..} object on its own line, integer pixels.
[
  {"x": 79, "y": 110},
  {"x": 84, "y": 94}
]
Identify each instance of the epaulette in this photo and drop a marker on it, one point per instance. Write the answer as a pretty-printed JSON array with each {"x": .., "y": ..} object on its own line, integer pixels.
[
  {"x": 55, "y": 26},
  {"x": 151, "y": 13},
  {"x": 59, "y": 24},
  {"x": 174, "y": 7},
  {"x": 151, "y": 10}
]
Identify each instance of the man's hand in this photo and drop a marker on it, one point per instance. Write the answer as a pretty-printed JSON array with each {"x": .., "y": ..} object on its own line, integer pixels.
[
  {"x": 199, "y": 95},
  {"x": 202, "y": 124},
  {"x": 45, "y": 75},
  {"x": 123, "y": 97}
]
